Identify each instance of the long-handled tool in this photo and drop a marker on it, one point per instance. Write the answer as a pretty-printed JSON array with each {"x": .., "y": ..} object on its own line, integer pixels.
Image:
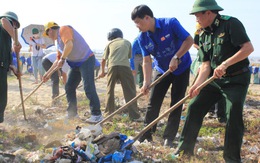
[
  {"x": 38, "y": 86},
  {"x": 134, "y": 99},
  {"x": 19, "y": 73},
  {"x": 169, "y": 110}
]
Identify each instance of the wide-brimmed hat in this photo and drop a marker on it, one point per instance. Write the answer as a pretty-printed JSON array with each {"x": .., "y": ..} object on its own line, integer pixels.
[
  {"x": 11, "y": 15},
  {"x": 49, "y": 25},
  {"x": 204, "y": 5}
]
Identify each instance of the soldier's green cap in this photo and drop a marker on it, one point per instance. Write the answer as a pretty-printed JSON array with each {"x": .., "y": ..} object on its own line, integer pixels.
[
  {"x": 11, "y": 15},
  {"x": 204, "y": 5}
]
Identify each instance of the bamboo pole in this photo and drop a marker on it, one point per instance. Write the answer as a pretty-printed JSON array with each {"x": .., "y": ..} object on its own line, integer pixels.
[{"x": 19, "y": 73}]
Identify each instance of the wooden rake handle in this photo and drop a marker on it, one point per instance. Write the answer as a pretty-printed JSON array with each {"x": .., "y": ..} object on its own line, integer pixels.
[{"x": 18, "y": 70}]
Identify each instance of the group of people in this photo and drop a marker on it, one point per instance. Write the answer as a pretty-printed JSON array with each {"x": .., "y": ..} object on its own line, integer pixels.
[{"x": 223, "y": 51}]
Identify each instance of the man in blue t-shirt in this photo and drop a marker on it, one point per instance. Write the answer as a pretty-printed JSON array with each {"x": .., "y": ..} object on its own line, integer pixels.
[{"x": 168, "y": 42}]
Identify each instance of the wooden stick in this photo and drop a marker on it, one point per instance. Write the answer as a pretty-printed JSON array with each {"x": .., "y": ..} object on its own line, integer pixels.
[{"x": 19, "y": 73}]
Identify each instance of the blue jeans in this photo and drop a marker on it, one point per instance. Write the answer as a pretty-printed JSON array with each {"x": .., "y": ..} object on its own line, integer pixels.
[
  {"x": 86, "y": 72},
  {"x": 37, "y": 66}
]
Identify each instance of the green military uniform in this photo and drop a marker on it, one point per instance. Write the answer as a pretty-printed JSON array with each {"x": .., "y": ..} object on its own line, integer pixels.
[
  {"x": 5, "y": 61},
  {"x": 217, "y": 44},
  {"x": 5, "y": 58}
]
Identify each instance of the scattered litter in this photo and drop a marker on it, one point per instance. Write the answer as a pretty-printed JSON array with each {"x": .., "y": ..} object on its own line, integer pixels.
[
  {"x": 254, "y": 149},
  {"x": 200, "y": 151}
]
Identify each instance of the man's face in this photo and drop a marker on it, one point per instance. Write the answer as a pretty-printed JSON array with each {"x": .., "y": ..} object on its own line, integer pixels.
[
  {"x": 13, "y": 22},
  {"x": 36, "y": 35},
  {"x": 51, "y": 33},
  {"x": 142, "y": 24},
  {"x": 203, "y": 18}
]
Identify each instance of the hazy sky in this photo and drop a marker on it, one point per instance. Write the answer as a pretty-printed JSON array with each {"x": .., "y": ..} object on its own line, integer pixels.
[{"x": 94, "y": 18}]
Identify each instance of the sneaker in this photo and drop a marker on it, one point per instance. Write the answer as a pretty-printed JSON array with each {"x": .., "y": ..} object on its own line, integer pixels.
[{"x": 95, "y": 119}]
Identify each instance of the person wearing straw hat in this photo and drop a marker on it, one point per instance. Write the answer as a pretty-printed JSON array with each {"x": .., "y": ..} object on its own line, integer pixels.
[
  {"x": 73, "y": 49},
  {"x": 168, "y": 42},
  {"x": 224, "y": 50},
  {"x": 8, "y": 23}
]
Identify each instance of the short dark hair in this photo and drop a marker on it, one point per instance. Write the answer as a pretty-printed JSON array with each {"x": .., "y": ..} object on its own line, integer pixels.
[{"x": 140, "y": 12}]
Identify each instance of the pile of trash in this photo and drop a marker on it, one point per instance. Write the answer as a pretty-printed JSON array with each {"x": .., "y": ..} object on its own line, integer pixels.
[{"x": 94, "y": 147}]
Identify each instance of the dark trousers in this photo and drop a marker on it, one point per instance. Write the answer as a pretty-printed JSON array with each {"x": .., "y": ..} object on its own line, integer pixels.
[
  {"x": 46, "y": 63},
  {"x": 125, "y": 76},
  {"x": 179, "y": 84},
  {"x": 234, "y": 90},
  {"x": 3, "y": 92}
]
